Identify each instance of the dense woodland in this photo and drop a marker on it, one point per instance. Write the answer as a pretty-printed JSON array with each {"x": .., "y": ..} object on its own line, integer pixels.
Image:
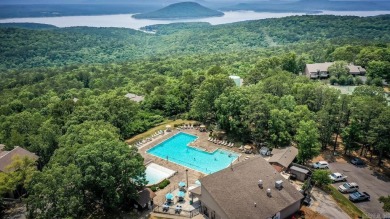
[{"x": 86, "y": 169}]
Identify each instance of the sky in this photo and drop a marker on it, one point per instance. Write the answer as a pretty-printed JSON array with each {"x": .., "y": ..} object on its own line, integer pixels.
[{"x": 138, "y": 1}]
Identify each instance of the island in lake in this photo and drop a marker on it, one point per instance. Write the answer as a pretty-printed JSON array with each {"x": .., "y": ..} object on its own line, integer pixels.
[{"x": 179, "y": 11}]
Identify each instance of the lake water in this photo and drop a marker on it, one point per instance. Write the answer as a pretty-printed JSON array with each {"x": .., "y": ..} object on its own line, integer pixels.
[{"x": 126, "y": 21}]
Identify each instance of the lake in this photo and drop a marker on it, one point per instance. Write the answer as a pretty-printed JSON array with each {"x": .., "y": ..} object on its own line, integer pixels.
[{"x": 126, "y": 21}]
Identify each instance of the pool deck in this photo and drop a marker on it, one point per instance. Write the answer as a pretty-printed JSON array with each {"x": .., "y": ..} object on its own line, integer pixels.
[{"x": 180, "y": 175}]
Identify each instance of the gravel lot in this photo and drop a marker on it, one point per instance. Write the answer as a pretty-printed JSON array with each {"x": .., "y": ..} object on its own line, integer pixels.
[{"x": 374, "y": 185}]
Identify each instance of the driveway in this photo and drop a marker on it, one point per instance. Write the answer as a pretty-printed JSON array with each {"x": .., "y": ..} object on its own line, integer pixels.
[
  {"x": 368, "y": 181},
  {"x": 324, "y": 204}
]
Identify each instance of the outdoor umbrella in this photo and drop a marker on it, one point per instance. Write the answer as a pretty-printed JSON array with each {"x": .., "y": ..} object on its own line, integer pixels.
[
  {"x": 169, "y": 196},
  {"x": 181, "y": 194}
]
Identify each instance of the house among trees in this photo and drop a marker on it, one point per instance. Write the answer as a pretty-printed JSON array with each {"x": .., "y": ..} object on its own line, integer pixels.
[
  {"x": 6, "y": 156},
  {"x": 250, "y": 189},
  {"x": 320, "y": 70},
  {"x": 282, "y": 158}
]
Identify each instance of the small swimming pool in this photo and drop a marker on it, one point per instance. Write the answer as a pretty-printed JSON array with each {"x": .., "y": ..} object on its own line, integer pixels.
[
  {"x": 175, "y": 149},
  {"x": 156, "y": 173}
]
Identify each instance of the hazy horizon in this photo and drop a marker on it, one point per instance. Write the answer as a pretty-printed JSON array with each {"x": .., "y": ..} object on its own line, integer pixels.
[{"x": 10, "y": 2}]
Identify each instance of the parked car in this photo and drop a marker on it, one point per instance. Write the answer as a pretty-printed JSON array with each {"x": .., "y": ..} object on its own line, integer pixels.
[
  {"x": 321, "y": 165},
  {"x": 357, "y": 161},
  {"x": 359, "y": 196},
  {"x": 265, "y": 151},
  {"x": 337, "y": 177},
  {"x": 348, "y": 187}
]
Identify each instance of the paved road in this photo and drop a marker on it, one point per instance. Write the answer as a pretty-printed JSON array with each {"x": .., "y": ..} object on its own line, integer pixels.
[{"x": 368, "y": 182}]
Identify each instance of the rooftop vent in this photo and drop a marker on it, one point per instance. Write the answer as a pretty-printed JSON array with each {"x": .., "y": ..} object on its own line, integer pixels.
[
  {"x": 269, "y": 192},
  {"x": 279, "y": 184},
  {"x": 260, "y": 184}
]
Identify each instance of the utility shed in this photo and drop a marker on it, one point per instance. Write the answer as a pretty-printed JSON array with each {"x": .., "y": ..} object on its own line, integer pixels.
[{"x": 299, "y": 172}]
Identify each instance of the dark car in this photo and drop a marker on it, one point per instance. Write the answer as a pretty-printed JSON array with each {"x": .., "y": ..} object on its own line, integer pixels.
[
  {"x": 359, "y": 196},
  {"x": 357, "y": 161}
]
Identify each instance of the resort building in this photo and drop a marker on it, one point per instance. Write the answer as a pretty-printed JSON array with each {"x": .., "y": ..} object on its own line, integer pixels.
[
  {"x": 7, "y": 156},
  {"x": 282, "y": 158},
  {"x": 250, "y": 189},
  {"x": 320, "y": 70}
]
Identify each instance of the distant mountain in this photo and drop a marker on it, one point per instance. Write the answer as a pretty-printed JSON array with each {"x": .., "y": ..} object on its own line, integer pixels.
[
  {"x": 311, "y": 6},
  {"x": 179, "y": 11}
]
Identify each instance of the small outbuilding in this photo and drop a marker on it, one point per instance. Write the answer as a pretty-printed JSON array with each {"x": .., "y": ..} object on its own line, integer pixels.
[
  {"x": 299, "y": 173},
  {"x": 283, "y": 157},
  {"x": 145, "y": 198}
]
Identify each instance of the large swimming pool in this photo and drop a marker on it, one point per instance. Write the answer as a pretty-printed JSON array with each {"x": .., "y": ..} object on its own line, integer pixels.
[{"x": 175, "y": 149}]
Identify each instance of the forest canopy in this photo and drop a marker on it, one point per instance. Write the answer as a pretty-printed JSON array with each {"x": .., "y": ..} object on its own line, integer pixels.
[{"x": 62, "y": 96}]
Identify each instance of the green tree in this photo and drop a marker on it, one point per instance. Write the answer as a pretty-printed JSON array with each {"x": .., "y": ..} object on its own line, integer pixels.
[
  {"x": 203, "y": 107},
  {"x": 379, "y": 69},
  {"x": 351, "y": 135},
  {"x": 380, "y": 133},
  {"x": 307, "y": 141},
  {"x": 280, "y": 127},
  {"x": 18, "y": 175},
  {"x": 56, "y": 193},
  {"x": 111, "y": 173},
  {"x": 321, "y": 178},
  {"x": 338, "y": 69},
  {"x": 386, "y": 202},
  {"x": 230, "y": 112}
]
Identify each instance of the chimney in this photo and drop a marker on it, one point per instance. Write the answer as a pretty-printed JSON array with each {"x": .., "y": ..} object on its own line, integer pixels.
[
  {"x": 260, "y": 184},
  {"x": 269, "y": 192}
]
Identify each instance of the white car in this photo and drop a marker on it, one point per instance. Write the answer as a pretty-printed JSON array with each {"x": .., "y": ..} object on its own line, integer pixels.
[
  {"x": 348, "y": 187},
  {"x": 337, "y": 177},
  {"x": 321, "y": 165}
]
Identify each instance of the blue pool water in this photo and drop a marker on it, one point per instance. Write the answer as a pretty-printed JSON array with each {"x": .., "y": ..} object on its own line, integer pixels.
[{"x": 177, "y": 151}]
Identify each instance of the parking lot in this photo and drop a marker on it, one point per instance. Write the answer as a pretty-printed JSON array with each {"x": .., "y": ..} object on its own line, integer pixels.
[{"x": 374, "y": 185}]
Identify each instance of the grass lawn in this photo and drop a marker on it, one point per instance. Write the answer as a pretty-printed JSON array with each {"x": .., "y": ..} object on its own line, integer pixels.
[
  {"x": 161, "y": 126},
  {"x": 345, "y": 204}
]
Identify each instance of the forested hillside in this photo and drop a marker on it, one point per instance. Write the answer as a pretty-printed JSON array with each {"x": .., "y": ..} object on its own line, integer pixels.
[
  {"x": 62, "y": 96},
  {"x": 22, "y": 48},
  {"x": 180, "y": 10}
]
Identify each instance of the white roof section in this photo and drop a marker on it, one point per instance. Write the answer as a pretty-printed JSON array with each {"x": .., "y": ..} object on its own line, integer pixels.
[{"x": 135, "y": 97}]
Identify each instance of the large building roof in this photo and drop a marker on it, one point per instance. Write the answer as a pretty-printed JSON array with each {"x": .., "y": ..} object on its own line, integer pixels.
[
  {"x": 323, "y": 67},
  {"x": 318, "y": 66},
  {"x": 284, "y": 156},
  {"x": 236, "y": 190},
  {"x": 6, "y": 157}
]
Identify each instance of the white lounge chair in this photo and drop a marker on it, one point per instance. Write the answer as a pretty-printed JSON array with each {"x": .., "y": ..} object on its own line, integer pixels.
[
  {"x": 209, "y": 139},
  {"x": 232, "y": 145}
]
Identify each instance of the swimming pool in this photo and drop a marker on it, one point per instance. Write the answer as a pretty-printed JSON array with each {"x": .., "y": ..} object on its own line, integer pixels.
[
  {"x": 175, "y": 149},
  {"x": 155, "y": 173}
]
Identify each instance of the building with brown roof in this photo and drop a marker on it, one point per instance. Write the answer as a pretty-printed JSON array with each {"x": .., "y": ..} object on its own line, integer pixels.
[
  {"x": 320, "y": 70},
  {"x": 235, "y": 192},
  {"x": 283, "y": 157},
  {"x": 7, "y": 156},
  {"x": 145, "y": 197}
]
